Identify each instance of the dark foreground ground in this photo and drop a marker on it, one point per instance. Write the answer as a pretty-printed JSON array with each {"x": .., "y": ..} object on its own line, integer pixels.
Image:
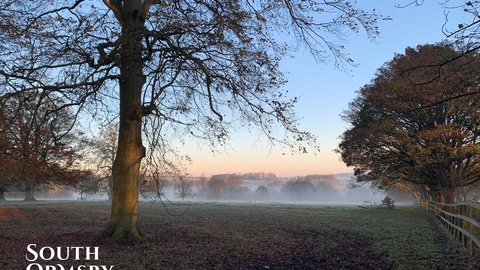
[{"x": 234, "y": 236}]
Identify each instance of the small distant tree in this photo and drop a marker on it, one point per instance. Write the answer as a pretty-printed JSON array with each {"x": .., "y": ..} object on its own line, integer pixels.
[
  {"x": 261, "y": 193},
  {"x": 87, "y": 183},
  {"x": 234, "y": 180},
  {"x": 183, "y": 189},
  {"x": 106, "y": 149},
  {"x": 234, "y": 188},
  {"x": 237, "y": 193},
  {"x": 201, "y": 187},
  {"x": 301, "y": 190},
  {"x": 259, "y": 176},
  {"x": 327, "y": 191},
  {"x": 153, "y": 185},
  {"x": 388, "y": 202},
  {"x": 4, "y": 187},
  {"x": 216, "y": 188}
]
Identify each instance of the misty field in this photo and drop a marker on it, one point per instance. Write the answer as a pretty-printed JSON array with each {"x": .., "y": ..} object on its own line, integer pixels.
[{"x": 236, "y": 236}]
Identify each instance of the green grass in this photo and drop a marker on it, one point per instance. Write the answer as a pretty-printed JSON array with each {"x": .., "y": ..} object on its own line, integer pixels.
[{"x": 239, "y": 236}]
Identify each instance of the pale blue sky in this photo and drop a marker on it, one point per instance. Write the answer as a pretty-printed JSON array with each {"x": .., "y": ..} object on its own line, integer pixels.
[{"x": 326, "y": 91}]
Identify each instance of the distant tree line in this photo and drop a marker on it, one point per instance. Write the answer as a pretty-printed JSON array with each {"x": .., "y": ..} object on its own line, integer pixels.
[
  {"x": 259, "y": 176},
  {"x": 233, "y": 187}
]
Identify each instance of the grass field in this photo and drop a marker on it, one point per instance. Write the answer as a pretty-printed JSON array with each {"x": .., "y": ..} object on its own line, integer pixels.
[{"x": 237, "y": 236}]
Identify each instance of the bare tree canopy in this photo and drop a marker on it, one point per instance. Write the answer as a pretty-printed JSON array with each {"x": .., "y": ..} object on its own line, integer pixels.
[{"x": 196, "y": 68}]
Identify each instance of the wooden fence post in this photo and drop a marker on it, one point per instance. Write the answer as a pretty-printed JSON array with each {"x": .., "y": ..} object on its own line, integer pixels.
[
  {"x": 473, "y": 228},
  {"x": 449, "y": 220},
  {"x": 460, "y": 220},
  {"x": 464, "y": 212},
  {"x": 454, "y": 222}
]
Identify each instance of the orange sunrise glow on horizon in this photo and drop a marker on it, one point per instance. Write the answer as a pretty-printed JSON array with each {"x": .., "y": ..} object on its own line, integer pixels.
[{"x": 282, "y": 166}]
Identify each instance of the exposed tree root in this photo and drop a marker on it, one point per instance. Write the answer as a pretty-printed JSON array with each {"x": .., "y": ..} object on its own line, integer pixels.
[{"x": 122, "y": 233}]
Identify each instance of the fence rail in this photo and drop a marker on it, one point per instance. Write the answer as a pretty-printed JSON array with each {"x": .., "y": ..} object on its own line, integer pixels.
[{"x": 461, "y": 219}]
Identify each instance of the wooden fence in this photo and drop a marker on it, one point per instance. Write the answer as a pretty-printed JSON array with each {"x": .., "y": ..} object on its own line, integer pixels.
[{"x": 461, "y": 219}]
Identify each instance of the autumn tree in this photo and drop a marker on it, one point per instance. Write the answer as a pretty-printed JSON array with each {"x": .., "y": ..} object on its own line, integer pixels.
[
  {"x": 258, "y": 176},
  {"x": 6, "y": 162},
  {"x": 197, "y": 68},
  {"x": 234, "y": 189},
  {"x": 216, "y": 188},
  {"x": 6, "y": 174},
  {"x": 39, "y": 145},
  {"x": 415, "y": 122}
]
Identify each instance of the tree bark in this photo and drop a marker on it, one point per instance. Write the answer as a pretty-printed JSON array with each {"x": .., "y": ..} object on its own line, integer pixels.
[
  {"x": 124, "y": 225},
  {"x": 29, "y": 192},
  {"x": 2, "y": 194},
  {"x": 436, "y": 195},
  {"x": 449, "y": 195},
  {"x": 442, "y": 194},
  {"x": 110, "y": 188},
  {"x": 424, "y": 193}
]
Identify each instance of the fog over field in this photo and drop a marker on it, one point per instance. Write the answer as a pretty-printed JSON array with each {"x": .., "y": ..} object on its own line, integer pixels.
[{"x": 310, "y": 189}]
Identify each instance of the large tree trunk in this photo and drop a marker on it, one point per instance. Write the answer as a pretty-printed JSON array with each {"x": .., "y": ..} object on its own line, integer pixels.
[
  {"x": 443, "y": 195},
  {"x": 436, "y": 195},
  {"x": 124, "y": 225},
  {"x": 29, "y": 192},
  {"x": 449, "y": 195},
  {"x": 2, "y": 194},
  {"x": 424, "y": 193}
]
